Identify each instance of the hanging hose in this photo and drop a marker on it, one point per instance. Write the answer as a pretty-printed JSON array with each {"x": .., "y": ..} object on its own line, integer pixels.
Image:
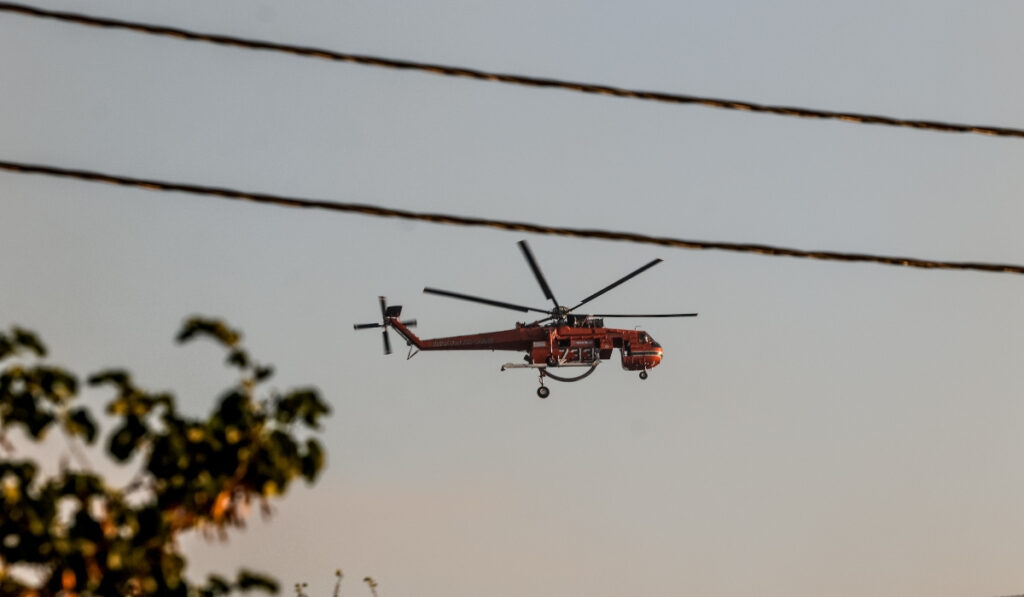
[{"x": 547, "y": 372}]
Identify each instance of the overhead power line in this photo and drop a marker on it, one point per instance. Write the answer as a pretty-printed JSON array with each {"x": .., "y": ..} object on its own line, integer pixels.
[
  {"x": 385, "y": 212},
  {"x": 530, "y": 81}
]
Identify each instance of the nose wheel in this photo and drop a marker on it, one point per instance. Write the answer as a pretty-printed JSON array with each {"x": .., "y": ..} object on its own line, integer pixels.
[
  {"x": 643, "y": 375},
  {"x": 543, "y": 391}
]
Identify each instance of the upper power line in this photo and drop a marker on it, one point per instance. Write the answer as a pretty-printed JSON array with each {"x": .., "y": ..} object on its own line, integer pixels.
[
  {"x": 531, "y": 81},
  {"x": 385, "y": 212}
]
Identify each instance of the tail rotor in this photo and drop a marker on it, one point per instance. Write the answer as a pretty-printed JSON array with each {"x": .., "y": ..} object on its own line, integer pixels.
[{"x": 386, "y": 313}]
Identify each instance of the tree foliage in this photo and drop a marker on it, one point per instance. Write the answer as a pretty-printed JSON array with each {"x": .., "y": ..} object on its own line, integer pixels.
[{"x": 81, "y": 535}]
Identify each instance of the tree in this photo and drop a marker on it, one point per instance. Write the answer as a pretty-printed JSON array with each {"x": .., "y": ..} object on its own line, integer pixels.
[{"x": 81, "y": 535}]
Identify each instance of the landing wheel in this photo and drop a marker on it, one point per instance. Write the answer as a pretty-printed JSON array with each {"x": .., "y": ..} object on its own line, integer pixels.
[
  {"x": 643, "y": 375},
  {"x": 543, "y": 392}
]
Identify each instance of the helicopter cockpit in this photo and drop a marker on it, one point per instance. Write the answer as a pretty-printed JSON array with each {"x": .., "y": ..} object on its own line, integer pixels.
[{"x": 645, "y": 338}]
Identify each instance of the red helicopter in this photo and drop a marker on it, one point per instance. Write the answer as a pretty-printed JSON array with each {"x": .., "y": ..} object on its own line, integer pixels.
[{"x": 562, "y": 339}]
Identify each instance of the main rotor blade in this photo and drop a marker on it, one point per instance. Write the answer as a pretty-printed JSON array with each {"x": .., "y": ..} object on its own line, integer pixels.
[
  {"x": 644, "y": 315},
  {"x": 621, "y": 280},
  {"x": 536, "y": 272},
  {"x": 477, "y": 299},
  {"x": 387, "y": 342},
  {"x": 363, "y": 326}
]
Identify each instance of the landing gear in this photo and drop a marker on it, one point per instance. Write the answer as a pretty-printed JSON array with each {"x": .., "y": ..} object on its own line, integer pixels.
[
  {"x": 643, "y": 375},
  {"x": 543, "y": 372}
]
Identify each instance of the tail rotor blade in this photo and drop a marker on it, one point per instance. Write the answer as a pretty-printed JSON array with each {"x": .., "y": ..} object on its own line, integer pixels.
[
  {"x": 385, "y": 323},
  {"x": 409, "y": 323}
]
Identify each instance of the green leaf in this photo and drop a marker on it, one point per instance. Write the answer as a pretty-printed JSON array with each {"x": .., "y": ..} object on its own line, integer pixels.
[
  {"x": 83, "y": 534},
  {"x": 234, "y": 408},
  {"x": 56, "y": 385},
  {"x": 238, "y": 358},
  {"x": 125, "y": 439},
  {"x": 80, "y": 485},
  {"x": 212, "y": 328},
  {"x": 20, "y": 338},
  {"x": 37, "y": 423},
  {"x": 171, "y": 567},
  {"x": 217, "y": 585},
  {"x": 6, "y": 347},
  {"x": 312, "y": 460},
  {"x": 302, "y": 404},
  {"x": 79, "y": 422},
  {"x": 263, "y": 372},
  {"x": 28, "y": 340},
  {"x": 248, "y": 581},
  {"x": 118, "y": 377}
]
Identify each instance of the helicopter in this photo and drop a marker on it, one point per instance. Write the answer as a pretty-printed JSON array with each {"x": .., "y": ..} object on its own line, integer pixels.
[{"x": 561, "y": 339}]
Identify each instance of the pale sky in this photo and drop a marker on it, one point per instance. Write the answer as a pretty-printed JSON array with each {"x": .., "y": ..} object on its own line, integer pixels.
[{"x": 821, "y": 428}]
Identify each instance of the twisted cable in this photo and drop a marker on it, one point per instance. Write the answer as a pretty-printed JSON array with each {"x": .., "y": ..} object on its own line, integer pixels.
[
  {"x": 448, "y": 219},
  {"x": 530, "y": 81}
]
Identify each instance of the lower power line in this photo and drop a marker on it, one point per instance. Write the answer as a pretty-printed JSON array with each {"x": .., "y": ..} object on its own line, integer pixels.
[{"x": 385, "y": 212}]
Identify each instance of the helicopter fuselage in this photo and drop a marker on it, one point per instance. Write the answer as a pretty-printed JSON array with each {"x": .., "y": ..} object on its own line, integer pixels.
[{"x": 552, "y": 345}]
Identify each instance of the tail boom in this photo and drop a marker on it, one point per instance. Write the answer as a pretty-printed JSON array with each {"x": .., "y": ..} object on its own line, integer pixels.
[{"x": 517, "y": 340}]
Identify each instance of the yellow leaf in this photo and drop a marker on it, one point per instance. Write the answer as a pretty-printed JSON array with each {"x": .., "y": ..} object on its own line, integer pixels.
[{"x": 220, "y": 505}]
